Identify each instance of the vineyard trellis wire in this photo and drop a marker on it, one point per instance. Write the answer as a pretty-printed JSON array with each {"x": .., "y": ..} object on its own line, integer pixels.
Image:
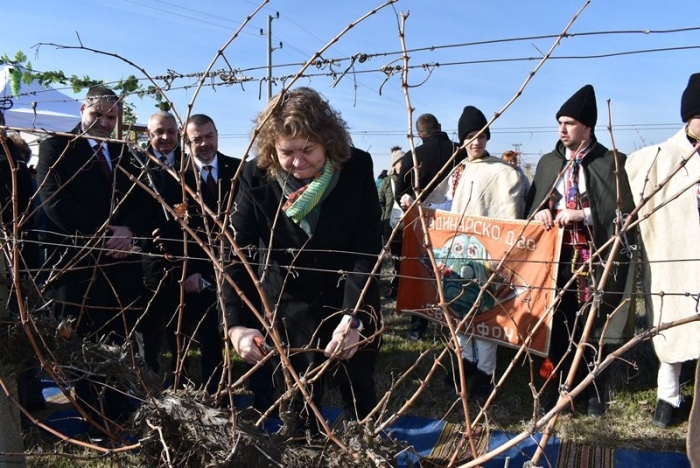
[{"x": 58, "y": 355}]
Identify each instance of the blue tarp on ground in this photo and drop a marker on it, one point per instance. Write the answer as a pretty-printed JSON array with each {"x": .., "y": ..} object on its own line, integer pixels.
[{"x": 423, "y": 434}]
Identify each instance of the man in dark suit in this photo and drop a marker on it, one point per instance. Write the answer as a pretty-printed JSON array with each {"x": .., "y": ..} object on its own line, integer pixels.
[
  {"x": 161, "y": 275},
  {"x": 95, "y": 212},
  {"x": 209, "y": 174},
  {"x": 432, "y": 156}
]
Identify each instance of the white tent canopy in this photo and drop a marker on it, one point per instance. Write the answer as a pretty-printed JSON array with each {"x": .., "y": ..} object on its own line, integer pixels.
[{"x": 38, "y": 107}]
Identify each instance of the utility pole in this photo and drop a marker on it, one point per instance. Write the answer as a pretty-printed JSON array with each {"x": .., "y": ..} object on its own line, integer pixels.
[
  {"x": 517, "y": 146},
  {"x": 269, "y": 52}
]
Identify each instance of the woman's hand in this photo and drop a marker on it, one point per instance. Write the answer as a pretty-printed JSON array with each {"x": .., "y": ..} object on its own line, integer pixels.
[
  {"x": 243, "y": 341},
  {"x": 346, "y": 342}
]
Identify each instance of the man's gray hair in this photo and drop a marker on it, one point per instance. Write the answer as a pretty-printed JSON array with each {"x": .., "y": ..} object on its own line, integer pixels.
[{"x": 163, "y": 115}]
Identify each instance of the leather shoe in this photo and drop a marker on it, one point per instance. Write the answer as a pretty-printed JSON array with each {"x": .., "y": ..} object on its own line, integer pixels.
[{"x": 663, "y": 414}]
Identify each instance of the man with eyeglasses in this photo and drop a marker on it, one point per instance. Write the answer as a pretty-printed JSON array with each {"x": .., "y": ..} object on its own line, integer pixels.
[{"x": 208, "y": 176}]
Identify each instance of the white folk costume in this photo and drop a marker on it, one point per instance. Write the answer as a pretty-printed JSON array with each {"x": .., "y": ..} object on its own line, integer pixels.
[
  {"x": 485, "y": 187},
  {"x": 670, "y": 241},
  {"x": 670, "y": 229}
]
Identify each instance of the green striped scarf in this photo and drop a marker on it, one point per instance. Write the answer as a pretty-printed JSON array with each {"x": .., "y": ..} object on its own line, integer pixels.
[{"x": 303, "y": 200}]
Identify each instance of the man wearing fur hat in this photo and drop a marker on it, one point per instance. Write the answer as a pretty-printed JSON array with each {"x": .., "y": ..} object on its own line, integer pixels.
[
  {"x": 480, "y": 185},
  {"x": 576, "y": 188},
  {"x": 669, "y": 238},
  {"x": 432, "y": 156}
]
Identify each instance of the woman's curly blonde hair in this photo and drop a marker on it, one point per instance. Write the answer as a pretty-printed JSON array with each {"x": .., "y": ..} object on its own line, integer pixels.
[{"x": 300, "y": 113}]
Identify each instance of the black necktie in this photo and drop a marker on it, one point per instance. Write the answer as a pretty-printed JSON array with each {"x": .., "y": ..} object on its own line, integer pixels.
[
  {"x": 209, "y": 179},
  {"x": 103, "y": 161}
]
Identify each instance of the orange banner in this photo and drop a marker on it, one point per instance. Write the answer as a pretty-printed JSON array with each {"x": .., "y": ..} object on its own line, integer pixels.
[{"x": 468, "y": 251}]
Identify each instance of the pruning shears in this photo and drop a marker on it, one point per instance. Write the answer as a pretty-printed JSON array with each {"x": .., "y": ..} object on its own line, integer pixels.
[{"x": 262, "y": 345}]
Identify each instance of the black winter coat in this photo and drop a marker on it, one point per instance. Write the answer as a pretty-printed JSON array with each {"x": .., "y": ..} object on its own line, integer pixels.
[
  {"x": 432, "y": 156},
  {"x": 22, "y": 187},
  {"x": 79, "y": 199},
  {"x": 601, "y": 186},
  {"x": 308, "y": 279}
]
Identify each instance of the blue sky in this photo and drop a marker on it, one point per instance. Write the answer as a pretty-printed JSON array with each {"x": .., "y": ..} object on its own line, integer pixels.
[{"x": 644, "y": 89}]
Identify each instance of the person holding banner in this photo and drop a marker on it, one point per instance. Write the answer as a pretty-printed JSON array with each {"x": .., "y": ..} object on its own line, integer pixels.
[
  {"x": 481, "y": 185},
  {"x": 432, "y": 157},
  {"x": 309, "y": 199},
  {"x": 575, "y": 189},
  {"x": 667, "y": 250}
]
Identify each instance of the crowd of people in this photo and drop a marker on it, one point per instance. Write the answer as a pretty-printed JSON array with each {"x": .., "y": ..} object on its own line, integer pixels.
[
  {"x": 176, "y": 247},
  {"x": 586, "y": 190}
]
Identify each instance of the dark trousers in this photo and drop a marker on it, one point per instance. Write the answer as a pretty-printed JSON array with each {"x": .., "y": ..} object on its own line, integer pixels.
[
  {"x": 566, "y": 330},
  {"x": 107, "y": 302},
  {"x": 354, "y": 378},
  {"x": 199, "y": 326},
  {"x": 163, "y": 304}
]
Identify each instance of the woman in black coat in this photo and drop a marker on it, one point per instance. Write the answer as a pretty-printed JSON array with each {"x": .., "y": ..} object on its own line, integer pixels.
[{"x": 310, "y": 202}]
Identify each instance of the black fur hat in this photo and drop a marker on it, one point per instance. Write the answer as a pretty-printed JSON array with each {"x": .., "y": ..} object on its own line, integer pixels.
[
  {"x": 581, "y": 106},
  {"x": 690, "y": 102},
  {"x": 470, "y": 120}
]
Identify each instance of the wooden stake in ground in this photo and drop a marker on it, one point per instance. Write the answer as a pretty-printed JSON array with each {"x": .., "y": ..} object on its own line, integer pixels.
[{"x": 11, "y": 448}]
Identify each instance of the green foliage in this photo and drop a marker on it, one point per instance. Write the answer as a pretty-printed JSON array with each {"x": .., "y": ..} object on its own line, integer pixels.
[
  {"x": 49, "y": 77},
  {"x": 27, "y": 77},
  {"x": 129, "y": 117},
  {"x": 129, "y": 85},
  {"x": 78, "y": 84},
  {"x": 15, "y": 81},
  {"x": 18, "y": 59}
]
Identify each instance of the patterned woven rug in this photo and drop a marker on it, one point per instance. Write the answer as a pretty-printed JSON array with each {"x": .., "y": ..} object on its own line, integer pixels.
[
  {"x": 572, "y": 455},
  {"x": 453, "y": 439}
]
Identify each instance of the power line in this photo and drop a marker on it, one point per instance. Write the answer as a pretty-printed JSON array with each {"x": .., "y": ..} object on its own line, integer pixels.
[
  {"x": 173, "y": 5},
  {"x": 389, "y": 71},
  {"x": 325, "y": 67},
  {"x": 180, "y": 15},
  {"x": 545, "y": 36}
]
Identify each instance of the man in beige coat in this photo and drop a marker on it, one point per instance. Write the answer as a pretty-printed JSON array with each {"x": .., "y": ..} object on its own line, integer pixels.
[{"x": 671, "y": 252}]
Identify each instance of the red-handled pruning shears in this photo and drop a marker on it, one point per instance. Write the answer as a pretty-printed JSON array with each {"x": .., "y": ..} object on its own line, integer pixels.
[{"x": 262, "y": 346}]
